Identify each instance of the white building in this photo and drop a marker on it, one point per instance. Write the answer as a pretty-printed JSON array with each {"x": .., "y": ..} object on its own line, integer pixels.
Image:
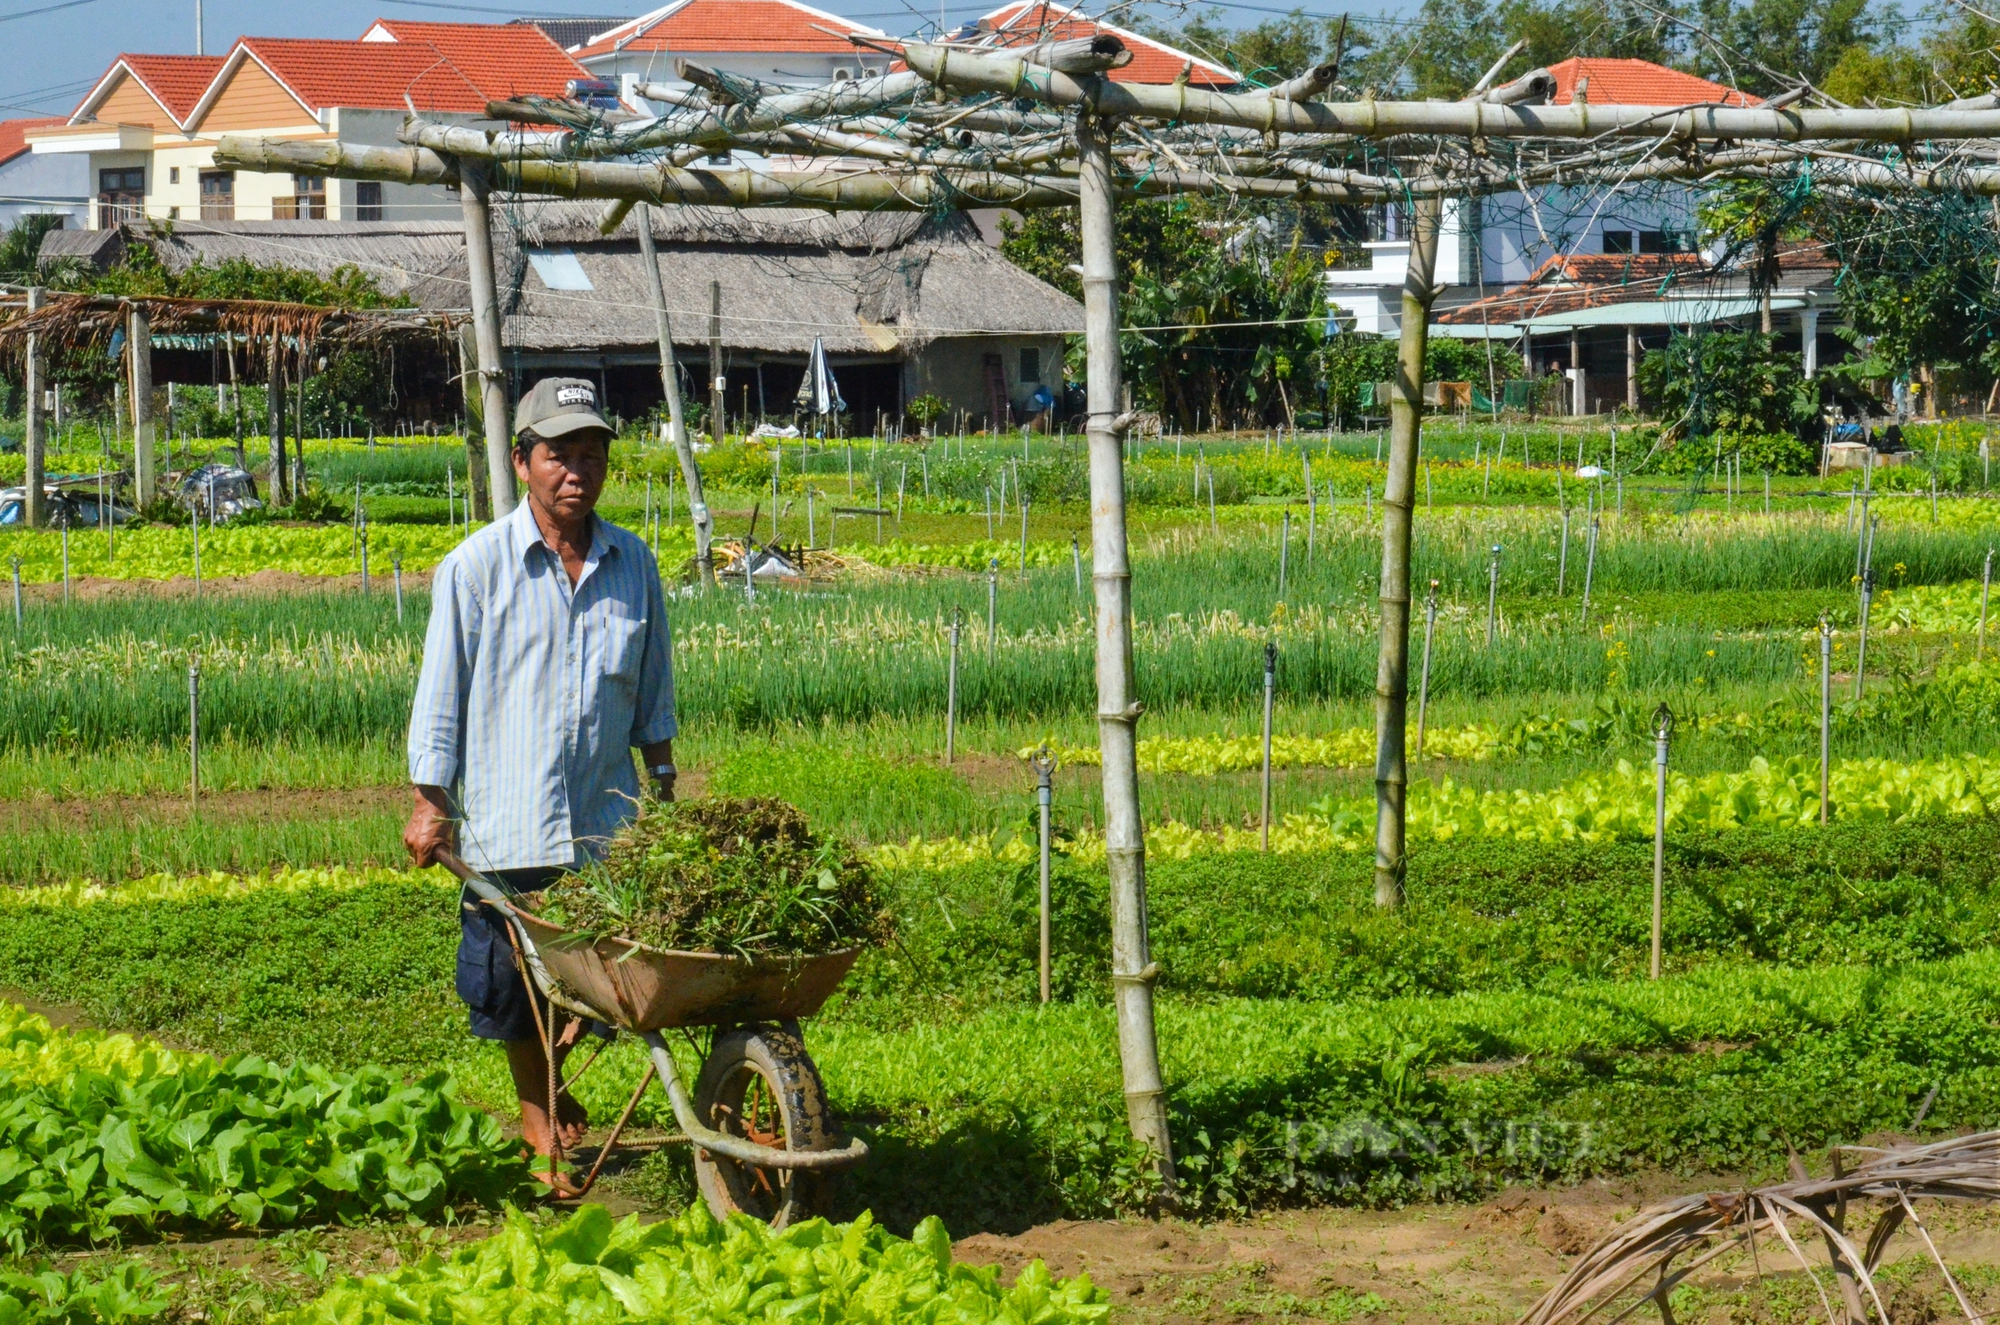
[
  {"x": 33, "y": 185},
  {"x": 1490, "y": 243}
]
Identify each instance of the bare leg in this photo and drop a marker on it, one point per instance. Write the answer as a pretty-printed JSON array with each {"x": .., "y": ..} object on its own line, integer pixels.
[{"x": 531, "y": 1087}]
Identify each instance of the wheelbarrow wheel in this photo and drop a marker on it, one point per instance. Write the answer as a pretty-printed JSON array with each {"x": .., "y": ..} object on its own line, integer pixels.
[{"x": 759, "y": 1083}]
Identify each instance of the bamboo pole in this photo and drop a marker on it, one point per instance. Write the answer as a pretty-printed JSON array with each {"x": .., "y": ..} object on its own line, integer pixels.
[
  {"x": 898, "y": 189},
  {"x": 1392, "y": 673},
  {"x": 475, "y": 201},
  {"x": 35, "y": 446},
  {"x": 670, "y": 383},
  {"x": 275, "y": 401},
  {"x": 139, "y": 345},
  {"x": 1132, "y": 969},
  {"x": 478, "y": 500},
  {"x": 962, "y": 70},
  {"x": 712, "y": 125}
]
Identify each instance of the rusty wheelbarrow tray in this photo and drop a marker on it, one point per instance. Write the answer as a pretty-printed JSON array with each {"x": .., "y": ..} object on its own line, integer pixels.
[{"x": 632, "y": 987}]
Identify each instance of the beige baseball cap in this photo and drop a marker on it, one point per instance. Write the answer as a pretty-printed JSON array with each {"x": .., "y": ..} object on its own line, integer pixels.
[{"x": 558, "y": 406}]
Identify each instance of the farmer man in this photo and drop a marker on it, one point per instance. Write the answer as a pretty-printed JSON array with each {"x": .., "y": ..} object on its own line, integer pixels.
[{"x": 547, "y": 660}]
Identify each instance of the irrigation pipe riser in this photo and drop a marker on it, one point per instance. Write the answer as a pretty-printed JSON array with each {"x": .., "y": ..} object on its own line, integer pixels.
[
  {"x": 992, "y": 607},
  {"x": 1663, "y": 732},
  {"x": 1132, "y": 968},
  {"x": 1392, "y": 673},
  {"x": 1861, "y": 644},
  {"x": 17, "y": 595},
  {"x": 1284, "y": 552},
  {"x": 1492, "y": 594},
  {"x": 194, "y": 733},
  {"x": 1589, "y": 568},
  {"x": 396, "y": 567},
  {"x": 1985, "y": 594},
  {"x": 1562, "y": 558}
]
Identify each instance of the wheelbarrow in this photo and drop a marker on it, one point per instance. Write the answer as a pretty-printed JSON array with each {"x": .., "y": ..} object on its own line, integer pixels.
[{"x": 763, "y": 1136}]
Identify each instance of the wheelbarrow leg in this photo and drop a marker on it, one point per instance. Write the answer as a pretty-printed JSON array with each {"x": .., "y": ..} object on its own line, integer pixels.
[
  {"x": 545, "y": 1031},
  {"x": 611, "y": 1141}
]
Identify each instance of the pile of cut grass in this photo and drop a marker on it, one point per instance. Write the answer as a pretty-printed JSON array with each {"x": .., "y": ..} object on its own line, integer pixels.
[{"x": 740, "y": 876}]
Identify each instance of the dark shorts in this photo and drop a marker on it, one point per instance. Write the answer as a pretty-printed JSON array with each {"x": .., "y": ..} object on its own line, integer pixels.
[{"x": 489, "y": 982}]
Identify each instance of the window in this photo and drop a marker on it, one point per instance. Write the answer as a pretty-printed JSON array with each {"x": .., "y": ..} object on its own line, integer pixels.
[
  {"x": 368, "y": 201},
  {"x": 218, "y": 195},
  {"x": 121, "y": 195},
  {"x": 307, "y": 203},
  {"x": 1619, "y": 241},
  {"x": 173, "y": 213},
  {"x": 173, "y": 174},
  {"x": 1031, "y": 366},
  {"x": 559, "y": 269},
  {"x": 1662, "y": 241}
]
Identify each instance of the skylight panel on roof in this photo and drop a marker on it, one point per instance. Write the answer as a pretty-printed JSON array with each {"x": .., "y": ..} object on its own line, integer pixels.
[{"x": 559, "y": 269}]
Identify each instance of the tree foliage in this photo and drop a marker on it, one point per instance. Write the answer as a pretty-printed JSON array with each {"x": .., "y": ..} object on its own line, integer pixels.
[
  {"x": 1230, "y": 297},
  {"x": 1729, "y": 381}
]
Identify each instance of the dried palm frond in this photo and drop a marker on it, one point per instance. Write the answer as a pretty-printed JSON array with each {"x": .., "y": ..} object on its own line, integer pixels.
[{"x": 1654, "y": 1251}]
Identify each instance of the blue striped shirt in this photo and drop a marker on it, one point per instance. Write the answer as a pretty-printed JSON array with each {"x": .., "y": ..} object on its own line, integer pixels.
[{"x": 533, "y": 693}]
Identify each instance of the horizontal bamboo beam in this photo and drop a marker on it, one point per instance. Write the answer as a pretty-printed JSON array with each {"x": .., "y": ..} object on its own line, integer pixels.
[
  {"x": 833, "y": 190},
  {"x": 959, "y": 70},
  {"x": 909, "y": 189}
]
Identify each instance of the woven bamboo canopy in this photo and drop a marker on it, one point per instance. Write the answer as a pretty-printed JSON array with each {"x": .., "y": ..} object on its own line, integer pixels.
[{"x": 70, "y": 322}]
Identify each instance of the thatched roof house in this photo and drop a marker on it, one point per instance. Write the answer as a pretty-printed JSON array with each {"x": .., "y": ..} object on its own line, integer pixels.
[{"x": 904, "y": 303}]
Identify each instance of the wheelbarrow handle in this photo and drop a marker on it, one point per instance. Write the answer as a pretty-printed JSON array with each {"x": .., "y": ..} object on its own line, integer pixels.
[{"x": 481, "y": 886}]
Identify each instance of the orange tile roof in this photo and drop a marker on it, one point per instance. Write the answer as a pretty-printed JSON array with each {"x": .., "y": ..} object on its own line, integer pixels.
[
  {"x": 500, "y": 59},
  {"x": 1640, "y": 83},
  {"x": 14, "y": 135},
  {"x": 1029, "y": 21},
  {"x": 176, "y": 81},
  {"x": 369, "y": 75},
  {"x": 1568, "y": 282},
  {"x": 779, "y": 26}
]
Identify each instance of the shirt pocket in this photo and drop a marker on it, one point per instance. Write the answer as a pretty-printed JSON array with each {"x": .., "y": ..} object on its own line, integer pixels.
[{"x": 624, "y": 648}]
